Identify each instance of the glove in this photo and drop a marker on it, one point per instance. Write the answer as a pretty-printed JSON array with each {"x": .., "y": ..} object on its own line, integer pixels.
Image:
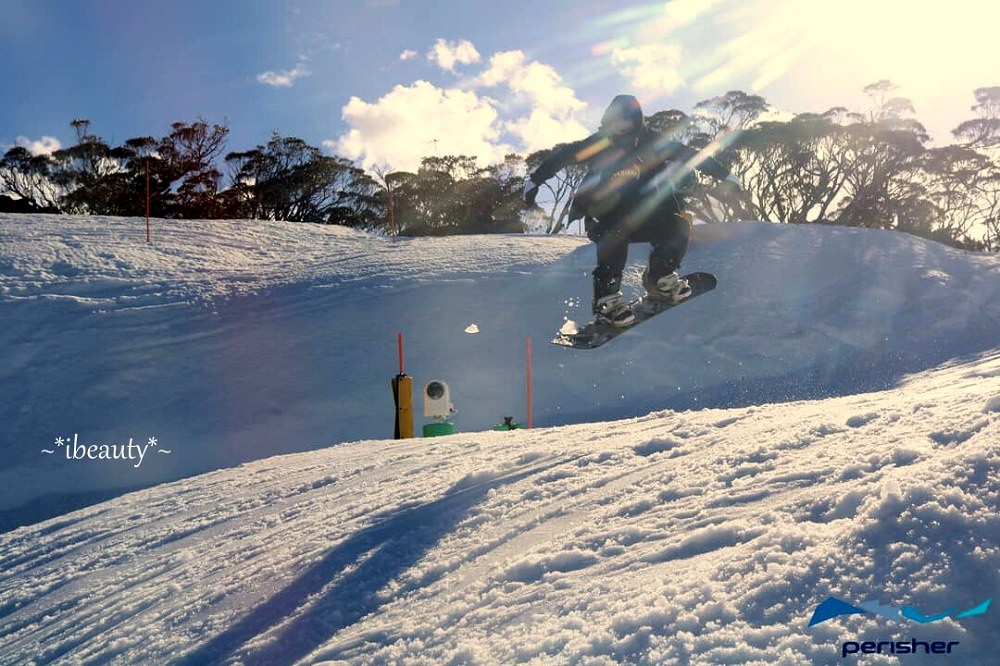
[
  {"x": 530, "y": 191},
  {"x": 730, "y": 188},
  {"x": 732, "y": 184},
  {"x": 733, "y": 193}
]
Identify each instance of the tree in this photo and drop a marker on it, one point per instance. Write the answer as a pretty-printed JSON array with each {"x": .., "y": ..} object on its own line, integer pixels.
[
  {"x": 404, "y": 198},
  {"x": 716, "y": 124},
  {"x": 98, "y": 179},
  {"x": 984, "y": 131},
  {"x": 952, "y": 177},
  {"x": 675, "y": 124},
  {"x": 880, "y": 160},
  {"x": 990, "y": 211},
  {"x": 500, "y": 197},
  {"x": 79, "y": 169},
  {"x": 736, "y": 110},
  {"x": 560, "y": 189},
  {"x": 982, "y": 135},
  {"x": 880, "y": 164},
  {"x": 789, "y": 169},
  {"x": 29, "y": 177},
  {"x": 186, "y": 159},
  {"x": 453, "y": 195},
  {"x": 290, "y": 180},
  {"x": 431, "y": 202}
]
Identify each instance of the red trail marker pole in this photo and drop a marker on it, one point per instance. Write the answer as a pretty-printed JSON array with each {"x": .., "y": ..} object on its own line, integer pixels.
[
  {"x": 399, "y": 345},
  {"x": 147, "y": 202},
  {"x": 527, "y": 354},
  {"x": 392, "y": 213}
]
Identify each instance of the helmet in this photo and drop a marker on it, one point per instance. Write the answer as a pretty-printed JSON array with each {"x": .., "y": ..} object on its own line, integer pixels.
[{"x": 622, "y": 117}]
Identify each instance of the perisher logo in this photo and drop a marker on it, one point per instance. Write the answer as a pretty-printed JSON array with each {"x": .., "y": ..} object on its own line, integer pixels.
[{"x": 833, "y": 607}]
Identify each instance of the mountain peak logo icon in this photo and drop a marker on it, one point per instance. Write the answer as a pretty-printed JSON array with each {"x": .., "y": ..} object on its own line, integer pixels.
[{"x": 833, "y": 607}]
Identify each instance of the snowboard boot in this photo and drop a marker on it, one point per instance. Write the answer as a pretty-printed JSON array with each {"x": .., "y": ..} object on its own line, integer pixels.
[
  {"x": 610, "y": 305},
  {"x": 615, "y": 310},
  {"x": 670, "y": 288}
]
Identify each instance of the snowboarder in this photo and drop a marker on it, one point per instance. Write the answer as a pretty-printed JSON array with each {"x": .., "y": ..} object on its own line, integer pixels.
[{"x": 633, "y": 192}]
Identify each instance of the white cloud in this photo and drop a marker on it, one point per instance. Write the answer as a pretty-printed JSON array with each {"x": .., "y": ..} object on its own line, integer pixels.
[
  {"x": 284, "y": 79},
  {"x": 540, "y": 130},
  {"x": 555, "y": 109},
  {"x": 513, "y": 105},
  {"x": 417, "y": 121},
  {"x": 408, "y": 54},
  {"x": 537, "y": 82},
  {"x": 448, "y": 54},
  {"x": 653, "y": 68},
  {"x": 44, "y": 146}
]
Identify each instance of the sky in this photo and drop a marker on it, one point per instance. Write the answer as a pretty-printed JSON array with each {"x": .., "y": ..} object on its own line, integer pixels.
[{"x": 386, "y": 82}]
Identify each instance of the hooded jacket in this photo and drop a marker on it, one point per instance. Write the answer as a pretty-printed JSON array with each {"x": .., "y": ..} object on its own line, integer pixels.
[{"x": 627, "y": 165}]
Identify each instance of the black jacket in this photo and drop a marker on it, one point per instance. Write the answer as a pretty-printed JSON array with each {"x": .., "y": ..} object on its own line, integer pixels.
[{"x": 619, "y": 178}]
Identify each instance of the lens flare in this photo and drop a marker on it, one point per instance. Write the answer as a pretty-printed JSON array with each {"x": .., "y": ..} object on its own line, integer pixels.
[{"x": 706, "y": 47}]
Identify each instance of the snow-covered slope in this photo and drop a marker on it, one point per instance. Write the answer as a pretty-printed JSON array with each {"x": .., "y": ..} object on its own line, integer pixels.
[
  {"x": 824, "y": 424},
  {"x": 704, "y": 537},
  {"x": 234, "y": 341}
]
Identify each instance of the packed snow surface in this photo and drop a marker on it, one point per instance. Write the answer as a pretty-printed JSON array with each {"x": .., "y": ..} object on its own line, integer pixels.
[{"x": 824, "y": 424}]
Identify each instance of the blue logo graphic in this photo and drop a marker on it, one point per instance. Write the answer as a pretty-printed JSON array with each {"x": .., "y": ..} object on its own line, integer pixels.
[{"x": 834, "y": 607}]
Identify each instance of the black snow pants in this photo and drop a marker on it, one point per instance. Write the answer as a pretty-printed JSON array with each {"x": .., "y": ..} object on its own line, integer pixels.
[{"x": 667, "y": 229}]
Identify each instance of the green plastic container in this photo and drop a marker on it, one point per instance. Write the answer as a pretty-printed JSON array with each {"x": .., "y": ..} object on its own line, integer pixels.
[{"x": 439, "y": 429}]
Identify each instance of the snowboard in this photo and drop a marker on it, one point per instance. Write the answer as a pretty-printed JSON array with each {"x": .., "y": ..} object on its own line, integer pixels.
[{"x": 594, "y": 334}]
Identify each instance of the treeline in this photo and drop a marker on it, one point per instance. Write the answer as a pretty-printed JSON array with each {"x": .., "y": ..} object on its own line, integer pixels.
[
  {"x": 178, "y": 176},
  {"x": 872, "y": 169},
  {"x": 876, "y": 170}
]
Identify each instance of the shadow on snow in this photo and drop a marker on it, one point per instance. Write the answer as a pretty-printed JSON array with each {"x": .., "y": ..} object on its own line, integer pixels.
[{"x": 343, "y": 587}]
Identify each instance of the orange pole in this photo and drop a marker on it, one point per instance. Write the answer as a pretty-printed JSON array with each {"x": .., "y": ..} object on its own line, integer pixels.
[{"x": 402, "y": 388}]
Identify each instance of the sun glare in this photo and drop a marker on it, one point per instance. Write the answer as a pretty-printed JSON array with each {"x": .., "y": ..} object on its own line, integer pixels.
[
  {"x": 914, "y": 45},
  {"x": 845, "y": 44}
]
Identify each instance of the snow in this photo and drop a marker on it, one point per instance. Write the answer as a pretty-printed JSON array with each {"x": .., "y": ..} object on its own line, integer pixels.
[{"x": 825, "y": 423}]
